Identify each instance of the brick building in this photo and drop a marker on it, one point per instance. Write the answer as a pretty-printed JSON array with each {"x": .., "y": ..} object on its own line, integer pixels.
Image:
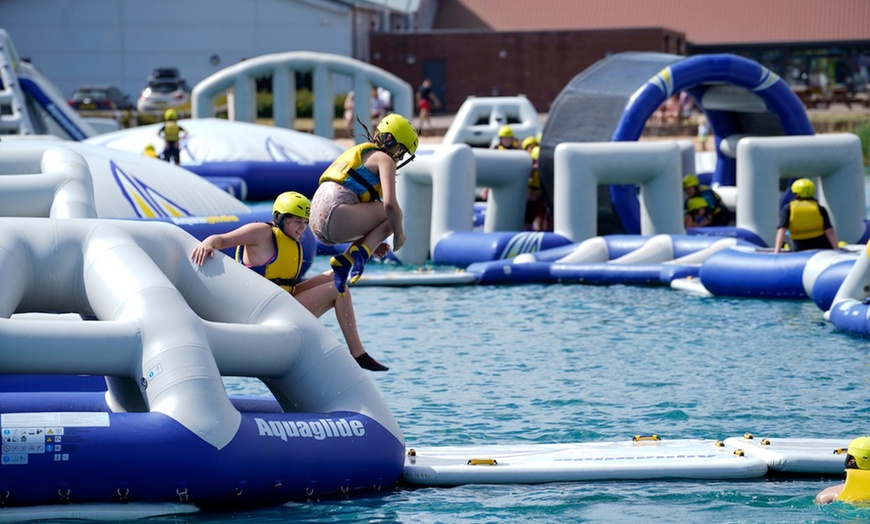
[{"x": 509, "y": 47}]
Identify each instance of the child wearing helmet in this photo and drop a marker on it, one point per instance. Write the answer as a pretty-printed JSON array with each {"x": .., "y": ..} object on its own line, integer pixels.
[
  {"x": 697, "y": 213},
  {"x": 172, "y": 133},
  {"x": 274, "y": 250},
  {"x": 716, "y": 210},
  {"x": 805, "y": 220},
  {"x": 505, "y": 139},
  {"x": 356, "y": 200},
  {"x": 857, "y": 485}
]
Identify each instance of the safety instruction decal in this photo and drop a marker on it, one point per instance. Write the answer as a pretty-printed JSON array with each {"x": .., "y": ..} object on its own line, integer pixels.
[{"x": 25, "y": 434}]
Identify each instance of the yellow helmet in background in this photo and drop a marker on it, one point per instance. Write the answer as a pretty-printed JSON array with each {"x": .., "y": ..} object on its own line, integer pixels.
[
  {"x": 170, "y": 114},
  {"x": 690, "y": 181},
  {"x": 695, "y": 203},
  {"x": 803, "y": 188},
  {"x": 292, "y": 203},
  {"x": 536, "y": 152},
  {"x": 401, "y": 129},
  {"x": 860, "y": 450},
  {"x": 529, "y": 141},
  {"x": 505, "y": 131}
]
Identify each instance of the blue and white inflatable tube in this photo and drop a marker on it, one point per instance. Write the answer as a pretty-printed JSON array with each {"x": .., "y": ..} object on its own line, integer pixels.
[
  {"x": 610, "y": 259},
  {"x": 850, "y": 311},
  {"x": 461, "y": 248},
  {"x": 761, "y": 274},
  {"x": 828, "y": 283}
]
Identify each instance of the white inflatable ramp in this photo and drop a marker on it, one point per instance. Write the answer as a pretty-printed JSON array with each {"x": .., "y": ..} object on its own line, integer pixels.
[
  {"x": 640, "y": 459},
  {"x": 795, "y": 455}
]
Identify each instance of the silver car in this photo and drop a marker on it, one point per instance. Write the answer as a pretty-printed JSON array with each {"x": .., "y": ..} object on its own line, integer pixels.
[{"x": 160, "y": 95}]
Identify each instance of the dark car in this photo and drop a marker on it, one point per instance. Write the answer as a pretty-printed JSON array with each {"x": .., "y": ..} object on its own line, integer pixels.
[
  {"x": 167, "y": 74},
  {"x": 99, "y": 98}
]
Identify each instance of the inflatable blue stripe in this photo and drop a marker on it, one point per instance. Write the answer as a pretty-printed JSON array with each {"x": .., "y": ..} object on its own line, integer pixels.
[
  {"x": 828, "y": 283},
  {"x": 504, "y": 272},
  {"x": 852, "y": 316},
  {"x": 628, "y": 274},
  {"x": 463, "y": 248},
  {"x": 735, "y": 273}
]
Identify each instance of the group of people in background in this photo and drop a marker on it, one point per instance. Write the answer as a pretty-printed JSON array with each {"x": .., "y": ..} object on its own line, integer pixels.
[{"x": 537, "y": 216}]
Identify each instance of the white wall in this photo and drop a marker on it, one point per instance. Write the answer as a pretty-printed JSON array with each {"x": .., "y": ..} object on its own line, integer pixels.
[{"x": 77, "y": 42}]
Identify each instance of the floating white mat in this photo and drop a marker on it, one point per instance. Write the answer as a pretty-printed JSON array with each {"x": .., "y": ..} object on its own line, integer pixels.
[
  {"x": 538, "y": 463},
  {"x": 796, "y": 455},
  {"x": 422, "y": 277},
  {"x": 96, "y": 511}
]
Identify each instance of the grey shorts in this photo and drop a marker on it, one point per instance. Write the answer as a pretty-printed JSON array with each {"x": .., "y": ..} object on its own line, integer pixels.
[{"x": 328, "y": 196}]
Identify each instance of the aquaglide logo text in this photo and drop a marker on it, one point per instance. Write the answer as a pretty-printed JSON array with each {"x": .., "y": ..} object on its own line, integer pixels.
[{"x": 317, "y": 429}]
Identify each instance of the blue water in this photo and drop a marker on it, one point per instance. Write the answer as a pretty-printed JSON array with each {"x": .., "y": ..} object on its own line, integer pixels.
[{"x": 570, "y": 363}]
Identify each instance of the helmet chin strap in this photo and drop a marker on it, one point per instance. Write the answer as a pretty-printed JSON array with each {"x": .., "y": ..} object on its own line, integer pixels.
[{"x": 400, "y": 166}]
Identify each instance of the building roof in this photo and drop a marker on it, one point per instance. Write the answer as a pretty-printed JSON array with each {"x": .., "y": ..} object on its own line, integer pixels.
[{"x": 703, "y": 22}]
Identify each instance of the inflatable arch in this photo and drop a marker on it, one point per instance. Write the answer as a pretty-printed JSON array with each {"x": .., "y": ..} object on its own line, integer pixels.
[
  {"x": 581, "y": 167},
  {"x": 163, "y": 332},
  {"x": 835, "y": 161},
  {"x": 439, "y": 186},
  {"x": 240, "y": 78},
  {"x": 738, "y": 97}
]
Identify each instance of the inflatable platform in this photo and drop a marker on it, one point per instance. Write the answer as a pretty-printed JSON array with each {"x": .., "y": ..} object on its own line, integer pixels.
[
  {"x": 642, "y": 458},
  {"x": 144, "y": 338}
]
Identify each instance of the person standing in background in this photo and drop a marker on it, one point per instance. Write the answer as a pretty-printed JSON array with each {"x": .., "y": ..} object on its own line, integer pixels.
[{"x": 426, "y": 101}]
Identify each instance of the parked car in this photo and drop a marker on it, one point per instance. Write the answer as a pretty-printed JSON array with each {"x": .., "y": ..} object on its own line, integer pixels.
[
  {"x": 168, "y": 74},
  {"x": 99, "y": 98},
  {"x": 163, "y": 94}
]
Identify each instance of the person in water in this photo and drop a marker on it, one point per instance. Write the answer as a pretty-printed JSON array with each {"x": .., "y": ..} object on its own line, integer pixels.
[
  {"x": 857, "y": 485},
  {"x": 807, "y": 222},
  {"x": 172, "y": 133},
  {"x": 719, "y": 214},
  {"x": 356, "y": 200},
  {"x": 274, "y": 250}
]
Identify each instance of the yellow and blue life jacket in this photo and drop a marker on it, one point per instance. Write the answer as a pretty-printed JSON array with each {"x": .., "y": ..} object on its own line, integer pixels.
[
  {"x": 349, "y": 171},
  {"x": 285, "y": 266},
  {"x": 805, "y": 220}
]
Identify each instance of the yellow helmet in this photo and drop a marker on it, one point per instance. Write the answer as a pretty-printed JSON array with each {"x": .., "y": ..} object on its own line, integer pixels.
[
  {"x": 536, "y": 152},
  {"x": 401, "y": 129},
  {"x": 529, "y": 141},
  {"x": 803, "y": 188},
  {"x": 292, "y": 203},
  {"x": 695, "y": 203},
  {"x": 170, "y": 114},
  {"x": 690, "y": 181},
  {"x": 860, "y": 450},
  {"x": 505, "y": 131}
]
